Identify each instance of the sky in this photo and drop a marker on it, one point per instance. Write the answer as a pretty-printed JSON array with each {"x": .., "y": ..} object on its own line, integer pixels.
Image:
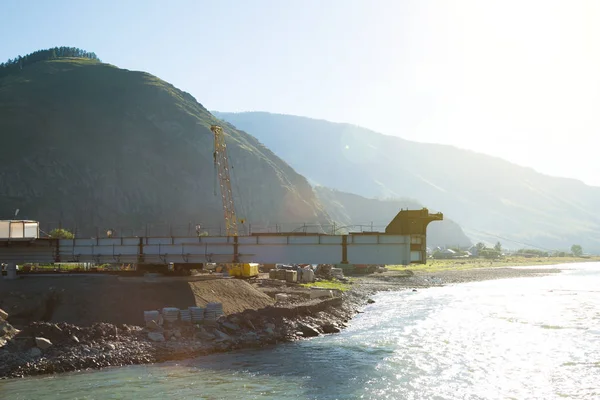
[{"x": 518, "y": 80}]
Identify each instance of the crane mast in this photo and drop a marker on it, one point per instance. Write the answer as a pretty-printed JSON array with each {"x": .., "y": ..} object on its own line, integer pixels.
[{"x": 221, "y": 164}]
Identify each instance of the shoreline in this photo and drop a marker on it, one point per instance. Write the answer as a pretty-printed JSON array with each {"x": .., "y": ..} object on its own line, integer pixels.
[{"x": 101, "y": 345}]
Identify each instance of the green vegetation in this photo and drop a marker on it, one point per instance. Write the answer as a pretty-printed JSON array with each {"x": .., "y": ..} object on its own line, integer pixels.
[
  {"x": 329, "y": 285},
  {"x": 577, "y": 250},
  {"x": 60, "y": 267},
  {"x": 490, "y": 254},
  {"x": 538, "y": 253},
  {"x": 59, "y": 233},
  {"x": 92, "y": 147}
]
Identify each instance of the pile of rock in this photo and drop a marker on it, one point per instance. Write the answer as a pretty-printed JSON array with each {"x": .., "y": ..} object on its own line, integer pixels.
[
  {"x": 328, "y": 272},
  {"x": 44, "y": 347}
]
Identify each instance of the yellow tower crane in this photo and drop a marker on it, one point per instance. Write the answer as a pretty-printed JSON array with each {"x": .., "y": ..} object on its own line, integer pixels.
[
  {"x": 222, "y": 170},
  {"x": 221, "y": 163}
]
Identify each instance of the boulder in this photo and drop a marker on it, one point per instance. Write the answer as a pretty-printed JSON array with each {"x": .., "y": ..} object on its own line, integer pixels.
[
  {"x": 43, "y": 343},
  {"x": 154, "y": 326},
  {"x": 270, "y": 325},
  {"x": 281, "y": 297},
  {"x": 330, "y": 328},
  {"x": 7, "y": 332},
  {"x": 230, "y": 326},
  {"x": 222, "y": 337},
  {"x": 156, "y": 336},
  {"x": 47, "y": 330},
  {"x": 250, "y": 337},
  {"x": 6, "y": 328},
  {"x": 204, "y": 335},
  {"x": 34, "y": 352},
  {"x": 319, "y": 292},
  {"x": 307, "y": 330},
  {"x": 250, "y": 324}
]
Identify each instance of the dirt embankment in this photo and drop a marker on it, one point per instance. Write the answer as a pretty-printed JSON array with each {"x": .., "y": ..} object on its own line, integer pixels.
[{"x": 86, "y": 300}]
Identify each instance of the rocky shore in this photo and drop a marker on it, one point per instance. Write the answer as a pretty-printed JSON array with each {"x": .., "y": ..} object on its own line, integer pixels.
[{"x": 45, "y": 348}]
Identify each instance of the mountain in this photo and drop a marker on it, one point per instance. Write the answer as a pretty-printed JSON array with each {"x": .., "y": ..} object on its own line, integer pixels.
[
  {"x": 359, "y": 213},
  {"x": 490, "y": 198},
  {"x": 94, "y": 147}
]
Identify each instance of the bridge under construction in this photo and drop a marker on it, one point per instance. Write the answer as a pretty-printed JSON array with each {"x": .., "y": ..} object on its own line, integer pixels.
[{"x": 403, "y": 242}]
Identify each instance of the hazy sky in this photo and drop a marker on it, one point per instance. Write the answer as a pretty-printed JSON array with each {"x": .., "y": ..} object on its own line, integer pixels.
[{"x": 515, "y": 79}]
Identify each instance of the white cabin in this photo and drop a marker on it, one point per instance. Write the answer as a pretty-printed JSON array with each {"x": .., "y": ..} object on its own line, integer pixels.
[{"x": 19, "y": 229}]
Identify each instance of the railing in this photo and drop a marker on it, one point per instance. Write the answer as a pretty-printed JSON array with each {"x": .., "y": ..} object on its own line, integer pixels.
[{"x": 194, "y": 229}]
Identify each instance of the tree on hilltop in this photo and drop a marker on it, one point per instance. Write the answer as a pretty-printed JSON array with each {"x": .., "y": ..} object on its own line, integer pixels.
[{"x": 18, "y": 63}]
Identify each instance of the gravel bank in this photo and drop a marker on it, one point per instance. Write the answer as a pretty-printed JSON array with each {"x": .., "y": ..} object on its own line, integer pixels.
[{"x": 407, "y": 279}]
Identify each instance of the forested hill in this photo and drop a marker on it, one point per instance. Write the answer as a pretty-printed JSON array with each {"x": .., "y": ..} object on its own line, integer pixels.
[
  {"x": 18, "y": 63},
  {"x": 96, "y": 147}
]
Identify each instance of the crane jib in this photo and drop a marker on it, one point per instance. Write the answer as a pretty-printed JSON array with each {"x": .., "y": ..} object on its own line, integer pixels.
[{"x": 221, "y": 163}]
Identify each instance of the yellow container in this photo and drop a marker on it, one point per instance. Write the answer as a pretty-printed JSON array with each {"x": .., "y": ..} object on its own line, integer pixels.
[
  {"x": 243, "y": 270},
  {"x": 235, "y": 270},
  {"x": 249, "y": 270}
]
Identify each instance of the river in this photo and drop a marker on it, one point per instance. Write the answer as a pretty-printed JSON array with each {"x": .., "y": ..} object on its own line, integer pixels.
[{"x": 522, "y": 338}]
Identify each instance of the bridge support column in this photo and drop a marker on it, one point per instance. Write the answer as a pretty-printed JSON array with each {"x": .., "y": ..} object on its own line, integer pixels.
[
  {"x": 236, "y": 252},
  {"x": 344, "y": 249},
  {"x": 11, "y": 271},
  {"x": 140, "y": 255}
]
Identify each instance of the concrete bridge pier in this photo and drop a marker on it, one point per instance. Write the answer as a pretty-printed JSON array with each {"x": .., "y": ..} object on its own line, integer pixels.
[{"x": 11, "y": 271}]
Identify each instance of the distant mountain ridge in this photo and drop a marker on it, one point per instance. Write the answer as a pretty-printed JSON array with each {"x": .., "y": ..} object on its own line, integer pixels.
[{"x": 490, "y": 198}]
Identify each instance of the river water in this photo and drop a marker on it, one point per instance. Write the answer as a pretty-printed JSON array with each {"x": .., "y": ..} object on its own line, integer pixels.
[{"x": 523, "y": 338}]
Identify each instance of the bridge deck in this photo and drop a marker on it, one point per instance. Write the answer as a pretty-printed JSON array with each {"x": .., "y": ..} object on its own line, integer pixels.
[{"x": 368, "y": 248}]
